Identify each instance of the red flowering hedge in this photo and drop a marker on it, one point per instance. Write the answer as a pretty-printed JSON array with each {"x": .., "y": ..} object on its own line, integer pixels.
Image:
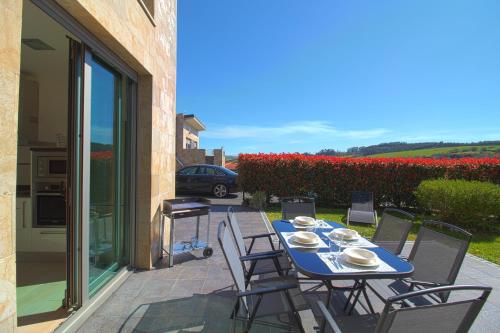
[{"x": 334, "y": 178}]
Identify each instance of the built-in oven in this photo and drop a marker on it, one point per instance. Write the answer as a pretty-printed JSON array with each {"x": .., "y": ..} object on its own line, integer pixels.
[{"x": 50, "y": 205}]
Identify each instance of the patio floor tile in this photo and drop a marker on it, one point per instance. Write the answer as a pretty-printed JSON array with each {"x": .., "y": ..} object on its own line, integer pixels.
[{"x": 197, "y": 294}]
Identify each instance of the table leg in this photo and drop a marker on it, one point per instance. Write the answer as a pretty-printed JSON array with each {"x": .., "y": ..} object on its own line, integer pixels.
[
  {"x": 329, "y": 286},
  {"x": 208, "y": 230},
  {"x": 171, "y": 245},
  {"x": 162, "y": 234},
  {"x": 197, "y": 231}
]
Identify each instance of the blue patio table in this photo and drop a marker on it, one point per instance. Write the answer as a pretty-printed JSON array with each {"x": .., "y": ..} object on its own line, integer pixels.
[{"x": 307, "y": 262}]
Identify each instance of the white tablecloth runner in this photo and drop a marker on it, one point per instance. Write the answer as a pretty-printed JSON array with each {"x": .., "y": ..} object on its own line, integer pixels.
[
  {"x": 361, "y": 242},
  {"x": 339, "y": 265},
  {"x": 291, "y": 244}
]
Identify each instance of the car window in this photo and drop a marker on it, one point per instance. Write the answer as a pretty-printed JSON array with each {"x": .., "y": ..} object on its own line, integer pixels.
[
  {"x": 219, "y": 172},
  {"x": 188, "y": 171},
  {"x": 207, "y": 171}
]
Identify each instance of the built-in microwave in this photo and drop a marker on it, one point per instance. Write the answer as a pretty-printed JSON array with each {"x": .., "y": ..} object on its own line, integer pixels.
[{"x": 50, "y": 166}]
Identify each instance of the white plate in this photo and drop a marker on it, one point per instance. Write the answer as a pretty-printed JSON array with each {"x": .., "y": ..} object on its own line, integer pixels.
[
  {"x": 301, "y": 226},
  {"x": 304, "y": 220},
  {"x": 360, "y": 256},
  {"x": 375, "y": 263},
  {"x": 304, "y": 237},
  {"x": 348, "y": 235},
  {"x": 292, "y": 240}
]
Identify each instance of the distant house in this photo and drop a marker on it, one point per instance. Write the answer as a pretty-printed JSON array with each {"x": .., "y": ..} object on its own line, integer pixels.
[{"x": 187, "y": 143}]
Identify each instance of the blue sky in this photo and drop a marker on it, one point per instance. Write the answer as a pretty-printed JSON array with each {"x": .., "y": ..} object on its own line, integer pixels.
[{"x": 290, "y": 75}]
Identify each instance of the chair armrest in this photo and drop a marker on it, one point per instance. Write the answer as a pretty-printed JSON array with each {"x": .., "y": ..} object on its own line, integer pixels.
[
  {"x": 328, "y": 318},
  {"x": 259, "y": 235},
  {"x": 268, "y": 290},
  {"x": 280, "y": 252},
  {"x": 261, "y": 256},
  {"x": 422, "y": 283},
  {"x": 254, "y": 237}
]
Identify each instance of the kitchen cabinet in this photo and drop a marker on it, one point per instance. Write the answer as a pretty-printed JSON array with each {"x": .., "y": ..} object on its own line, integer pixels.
[
  {"x": 48, "y": 240},
  {"x": 23, "y": 224},
  {"x": 29, "y": 239}
]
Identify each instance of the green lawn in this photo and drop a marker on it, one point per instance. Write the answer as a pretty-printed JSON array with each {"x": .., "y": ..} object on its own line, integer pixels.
[
  {"x": 484, "y": 245},
  {"x": 492, "y": 150}
]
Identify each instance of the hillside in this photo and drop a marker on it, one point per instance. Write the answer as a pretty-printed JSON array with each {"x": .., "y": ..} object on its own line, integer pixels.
[{"x": 449, "y": 152}]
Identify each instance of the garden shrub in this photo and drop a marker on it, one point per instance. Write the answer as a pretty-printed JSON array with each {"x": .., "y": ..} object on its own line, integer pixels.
[
  {"x": 258, "y": 200},
  {"x": 333, "y": 179},
  {"x": 473, "y": 205}
]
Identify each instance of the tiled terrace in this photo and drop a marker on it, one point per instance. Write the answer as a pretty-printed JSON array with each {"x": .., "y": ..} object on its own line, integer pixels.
[{"x": 196, "y": 294}]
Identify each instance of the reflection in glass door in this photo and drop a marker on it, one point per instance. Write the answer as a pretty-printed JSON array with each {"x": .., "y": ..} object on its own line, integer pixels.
[{"x": 107, "y": 201}]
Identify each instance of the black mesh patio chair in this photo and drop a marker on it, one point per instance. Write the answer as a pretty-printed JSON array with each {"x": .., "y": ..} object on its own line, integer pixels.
[
  {"x": 297, "y": 206},
  {"x": 260, "y": 266},
  {"x": 264, "y": 297},
  {"x": 361, "y": 210},
  {"x": 393, "y": 229},
  {"x": 454, "y": 316},
  {"x": 436, "y": 257}
]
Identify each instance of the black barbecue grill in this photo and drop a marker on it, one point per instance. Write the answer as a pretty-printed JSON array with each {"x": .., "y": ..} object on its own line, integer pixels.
[{"x": 182, "y": 208}]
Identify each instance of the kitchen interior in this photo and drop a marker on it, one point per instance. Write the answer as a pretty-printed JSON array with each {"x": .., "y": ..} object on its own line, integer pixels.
[{"x": 42, "y": 172}]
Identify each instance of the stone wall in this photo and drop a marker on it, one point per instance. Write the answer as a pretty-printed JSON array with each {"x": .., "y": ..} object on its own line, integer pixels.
[
  {"x": 192, "y": 156},
  {"x": 10, "y": 61},
  {"x": 149, "y": 47},
  {"x": 219, "y": 157}
]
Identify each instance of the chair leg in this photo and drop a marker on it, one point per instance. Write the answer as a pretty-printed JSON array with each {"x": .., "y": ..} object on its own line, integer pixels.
[
  {"x": 236, "y": 308},
  {"x": 294, "y": 311},
  {"x": 254, "y": 312}
]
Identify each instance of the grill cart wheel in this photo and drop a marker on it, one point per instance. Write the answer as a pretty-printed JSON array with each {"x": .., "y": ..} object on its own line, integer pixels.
[{"x": 208, "y": 252}]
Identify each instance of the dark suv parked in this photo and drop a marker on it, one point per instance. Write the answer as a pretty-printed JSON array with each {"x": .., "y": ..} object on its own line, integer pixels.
[{"x": 205, "y": 178}]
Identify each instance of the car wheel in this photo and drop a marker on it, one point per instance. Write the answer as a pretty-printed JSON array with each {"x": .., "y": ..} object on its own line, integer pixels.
[{"x": 220, "y": 190}]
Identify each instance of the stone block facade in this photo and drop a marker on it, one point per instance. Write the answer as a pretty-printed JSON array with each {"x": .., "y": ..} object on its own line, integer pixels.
[{"x": 145, "y": 41}]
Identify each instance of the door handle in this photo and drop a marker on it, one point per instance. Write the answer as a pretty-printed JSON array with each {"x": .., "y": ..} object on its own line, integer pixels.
[
  {"x": 24, "y": 214},
  {"x": 53, "y": 232}
]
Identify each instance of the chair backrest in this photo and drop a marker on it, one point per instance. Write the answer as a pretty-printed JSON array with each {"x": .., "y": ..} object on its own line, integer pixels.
[
  {"x": 362, "y": 201},
  {"x": 236, "y": 231},
  {"x": 437, "y": 256},
  {"x": 454, "y": 316},
  {"x": 231, "y": 255},
  {"x": 393, "y": 230},
  {"x": 297, "y": 206}
]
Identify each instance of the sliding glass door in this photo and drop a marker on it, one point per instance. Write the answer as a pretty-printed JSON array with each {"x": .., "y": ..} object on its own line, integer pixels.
[{"x": 106, "y": 200}]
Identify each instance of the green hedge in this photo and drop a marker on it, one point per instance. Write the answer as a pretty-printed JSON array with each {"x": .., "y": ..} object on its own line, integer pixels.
[{"x": 473, "y": 205}]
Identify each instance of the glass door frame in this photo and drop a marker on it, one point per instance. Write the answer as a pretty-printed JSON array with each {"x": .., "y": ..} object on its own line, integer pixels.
[{"x": 130, "y": 114}]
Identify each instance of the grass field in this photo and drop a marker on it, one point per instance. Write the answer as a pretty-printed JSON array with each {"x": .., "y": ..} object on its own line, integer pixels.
[
  {"x": 484, "y": 245},
  {"x": 470, "y": 151}
]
